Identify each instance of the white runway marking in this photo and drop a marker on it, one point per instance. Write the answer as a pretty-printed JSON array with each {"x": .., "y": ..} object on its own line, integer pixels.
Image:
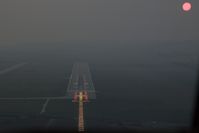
[
  {"x": 12, "y": 68},
  {"x": 43, "y": 110}
]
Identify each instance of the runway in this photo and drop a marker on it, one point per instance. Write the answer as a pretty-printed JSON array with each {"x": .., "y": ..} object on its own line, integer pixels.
[{"x": 81, "y": 80}]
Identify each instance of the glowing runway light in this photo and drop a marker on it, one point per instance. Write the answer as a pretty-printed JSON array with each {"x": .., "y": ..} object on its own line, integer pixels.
[{"x": 186, "y": 6}]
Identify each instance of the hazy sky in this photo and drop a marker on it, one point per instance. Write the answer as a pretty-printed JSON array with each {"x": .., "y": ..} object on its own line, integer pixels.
[{"x": 63, "y": 20}]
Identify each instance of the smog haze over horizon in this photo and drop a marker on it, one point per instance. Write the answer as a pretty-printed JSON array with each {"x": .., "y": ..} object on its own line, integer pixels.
[{"x": 83, "y": 21}]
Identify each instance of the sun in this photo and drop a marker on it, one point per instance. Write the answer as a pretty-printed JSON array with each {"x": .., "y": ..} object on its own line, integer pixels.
[{"x": 186, "y": 6}]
